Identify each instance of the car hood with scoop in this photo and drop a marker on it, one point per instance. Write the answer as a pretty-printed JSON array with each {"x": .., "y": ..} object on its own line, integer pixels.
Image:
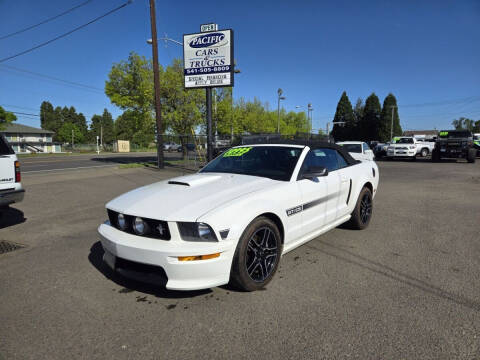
[{"x": 186, "y": 198}]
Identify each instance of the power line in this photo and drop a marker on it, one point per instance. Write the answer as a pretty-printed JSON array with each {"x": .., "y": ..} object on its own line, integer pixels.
[
  {"x": 49, "y": 77},
  {"x": 22, "y": 113},
  {"x": 44, "y": 21},
  {"x": 67, "y": 33}
]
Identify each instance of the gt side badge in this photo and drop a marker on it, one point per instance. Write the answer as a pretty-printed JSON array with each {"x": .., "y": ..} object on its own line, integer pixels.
[{"x": 294, "y": 210}]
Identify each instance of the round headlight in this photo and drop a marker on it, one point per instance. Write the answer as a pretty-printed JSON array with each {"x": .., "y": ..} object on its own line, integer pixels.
[
  {"x": 122, "y": 223},
  {"x": 139, "y": 226}
]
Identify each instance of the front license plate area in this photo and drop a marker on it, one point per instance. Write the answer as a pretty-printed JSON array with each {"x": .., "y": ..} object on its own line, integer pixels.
[{"x": 109, "y": 259}]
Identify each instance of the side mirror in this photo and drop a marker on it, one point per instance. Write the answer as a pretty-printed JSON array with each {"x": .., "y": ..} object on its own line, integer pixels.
[{"x": 314, "y": 172}]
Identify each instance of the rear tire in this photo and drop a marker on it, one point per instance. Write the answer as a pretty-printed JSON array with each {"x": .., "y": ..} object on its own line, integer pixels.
[
  {"x": 424, "y": 152},
  {"x": 435, "y": 156},
  {"x": 257, "y": 255},
  {"x": 362, "y": 213},
  {"x": 471, "y": 155}
]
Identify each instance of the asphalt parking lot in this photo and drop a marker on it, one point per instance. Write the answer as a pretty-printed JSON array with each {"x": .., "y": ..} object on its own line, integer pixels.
[{"x": 405, "y": 288}]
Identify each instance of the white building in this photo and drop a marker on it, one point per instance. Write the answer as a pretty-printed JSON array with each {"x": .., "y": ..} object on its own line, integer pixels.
[{"x": 27, "y": 139}]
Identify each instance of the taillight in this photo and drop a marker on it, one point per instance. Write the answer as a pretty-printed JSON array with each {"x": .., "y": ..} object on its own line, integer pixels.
[{"x": 18, "y": 176}]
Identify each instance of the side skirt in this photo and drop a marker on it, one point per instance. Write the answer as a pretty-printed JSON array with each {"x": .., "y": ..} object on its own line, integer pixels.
[{"x": 296, "y": 243}]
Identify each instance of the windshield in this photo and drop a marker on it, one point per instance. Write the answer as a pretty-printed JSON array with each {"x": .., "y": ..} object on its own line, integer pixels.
[
  {"x": 447, "y": 134},
  {"x": 355, "y": 148},
  {"x": 274, "y": 162},
  {"x": 5, "y": 148},
  {"x": 405, "y": 141}
]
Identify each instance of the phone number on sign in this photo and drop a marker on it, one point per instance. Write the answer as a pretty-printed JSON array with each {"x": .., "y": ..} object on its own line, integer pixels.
[{"x": 207, "y": 70}]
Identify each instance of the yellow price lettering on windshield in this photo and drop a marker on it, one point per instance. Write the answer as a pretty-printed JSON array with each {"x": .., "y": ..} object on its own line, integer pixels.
[
  {"x": 237, "y": 151},
  {"x": 443, "y": 133}
]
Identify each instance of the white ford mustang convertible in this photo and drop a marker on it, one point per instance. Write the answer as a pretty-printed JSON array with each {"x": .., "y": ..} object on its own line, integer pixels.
[{"x": 234, "y": 219}]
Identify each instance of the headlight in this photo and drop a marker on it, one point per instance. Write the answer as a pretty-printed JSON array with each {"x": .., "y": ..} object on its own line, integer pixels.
[
  {"x": 412, "y": 147},
  {"x": 190, "y": 231},
  {"x": 390, "y": 148},
  {"x": 140, "y": 226},
  {"x": 122, "y": 223}
]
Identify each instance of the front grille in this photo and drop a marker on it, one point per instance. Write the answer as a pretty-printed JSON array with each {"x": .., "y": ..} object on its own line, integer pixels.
[
  {"x": 141, "y": 272},
  {"x": 154, "y": 225},
  {"x": 7, "y": 246}
]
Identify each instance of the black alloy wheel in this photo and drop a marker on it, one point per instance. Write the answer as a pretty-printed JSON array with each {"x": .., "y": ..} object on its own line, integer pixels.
[
  {"x": 261, "y": 254},
  {"x": 366, "y": 208},
  {"x": 257, "y": 255}
]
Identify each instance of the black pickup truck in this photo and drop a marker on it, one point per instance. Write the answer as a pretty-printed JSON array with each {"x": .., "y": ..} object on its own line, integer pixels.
[{"x": 454, "y": 144}]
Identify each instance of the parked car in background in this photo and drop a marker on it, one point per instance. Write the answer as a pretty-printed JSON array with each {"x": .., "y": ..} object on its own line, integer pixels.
[
  {"x": 476, "y": 143},
  {"x": 454, "y": 144},
  {"x": 409, "y": 147},
  {"x": 358, "y": 150},
  {"x": 189, "y": 147},
  {"x": 171, "y": 146},
  {"x": 11, "y": 190},
  {"x": 380, "y": 150}
]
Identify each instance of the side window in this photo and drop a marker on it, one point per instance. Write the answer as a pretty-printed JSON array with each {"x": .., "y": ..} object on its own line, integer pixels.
[
  {"x": 341, "y": 160},
  {"x": 321, "y": 157},
  {"x": 365, "y": 147}
]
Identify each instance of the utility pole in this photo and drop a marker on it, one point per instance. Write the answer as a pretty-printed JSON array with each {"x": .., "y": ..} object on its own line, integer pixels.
[
  {"x": 209, "y": 124},
  {"x": 391, "y": 123},
  {"x": 101, "y": 136},
  {"x": 156, "y": 81},
  {"x": 72, "y": 139}
]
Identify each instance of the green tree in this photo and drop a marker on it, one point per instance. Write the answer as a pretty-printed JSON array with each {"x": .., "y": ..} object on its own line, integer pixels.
[
  {"x": 130, "y": 87},
  {"x": 358, "y": 111},
  {"x": 48, "y": 119},
  {"x": 66, "y": 131},
  {"x": 182, "y": 110},
  {"x": 102, "y": 125},
  {"x": 369, "y": 126},
  {"x": 125, "y": 125},
  {"x": 6, "y": 117},
  {"x": 389, "y": 104},
  {"x": 344, "y": 113}
]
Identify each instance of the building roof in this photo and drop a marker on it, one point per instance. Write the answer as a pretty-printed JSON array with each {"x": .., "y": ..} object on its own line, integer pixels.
[
  {"x": 420, "y": 132},
  {"x": 24, "y": 129}
]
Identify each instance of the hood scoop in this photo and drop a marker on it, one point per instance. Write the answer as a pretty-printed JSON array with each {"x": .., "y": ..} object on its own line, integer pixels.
[
  {"x": 194, "y": 180},
  {"x": 178, "y": 183}
]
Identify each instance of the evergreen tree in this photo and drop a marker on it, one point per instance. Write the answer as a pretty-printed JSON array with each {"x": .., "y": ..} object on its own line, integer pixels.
[
  {"x": 369, "y": 126},
  {"x": 47, "y": 116},
  {"x": 102, "y": 125},
  {"x": 344, "y": 113},
  {"x": 389, "y": 103},
  {"x": 358, "y": 111}
]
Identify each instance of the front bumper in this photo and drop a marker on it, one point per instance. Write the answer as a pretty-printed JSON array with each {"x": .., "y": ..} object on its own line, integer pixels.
[
  {"x": 180, "y": 275},
  {"x": 402, "y": 153},
  {"x": 10, "y": 197}
]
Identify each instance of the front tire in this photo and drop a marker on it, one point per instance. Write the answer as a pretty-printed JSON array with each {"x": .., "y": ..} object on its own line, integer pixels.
[
  {"x": 471, "y": 155},
  {"x": 362, "y": 213},
  {"x": 424, "y": 152},
  {"x": 257, "y": 255}
]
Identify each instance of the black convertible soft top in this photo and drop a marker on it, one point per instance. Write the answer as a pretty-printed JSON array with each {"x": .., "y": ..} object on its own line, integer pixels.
[{"x": 313, "y": 144}]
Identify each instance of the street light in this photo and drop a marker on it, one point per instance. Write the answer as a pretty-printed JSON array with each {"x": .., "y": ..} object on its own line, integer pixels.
[{"x": 280, "y": 97}]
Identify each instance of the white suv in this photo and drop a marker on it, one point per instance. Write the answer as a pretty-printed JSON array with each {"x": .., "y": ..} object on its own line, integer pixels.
[{"x": 11, "y": 190}]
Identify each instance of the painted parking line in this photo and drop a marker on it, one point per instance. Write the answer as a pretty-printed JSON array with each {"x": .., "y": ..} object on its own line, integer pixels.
[{"x": 73, "y": 168}]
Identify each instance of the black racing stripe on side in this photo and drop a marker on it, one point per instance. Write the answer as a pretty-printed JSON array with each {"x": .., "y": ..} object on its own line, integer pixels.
[{"x": 349, "y": 191}]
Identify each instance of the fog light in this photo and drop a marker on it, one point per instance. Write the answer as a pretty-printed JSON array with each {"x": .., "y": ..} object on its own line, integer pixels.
[
  {"x": 139, "y": 226},
  {"x": 198, "y": 257},
  {"x": 122, "y": 223}
]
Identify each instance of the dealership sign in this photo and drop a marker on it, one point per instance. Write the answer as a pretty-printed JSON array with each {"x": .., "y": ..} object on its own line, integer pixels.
[{"x": 208, "y": 59}]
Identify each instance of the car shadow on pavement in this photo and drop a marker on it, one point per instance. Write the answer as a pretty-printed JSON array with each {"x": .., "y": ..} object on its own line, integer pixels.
[
  {"x": 11, "y": 217},
  {"x": 350, "y": 257},
  {"x": 132, "y": 159},
  {"x": 96, "y": 259}
]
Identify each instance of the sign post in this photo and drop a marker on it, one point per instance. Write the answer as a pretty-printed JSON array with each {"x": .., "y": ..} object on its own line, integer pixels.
[{"x": 208, "y": 63}]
